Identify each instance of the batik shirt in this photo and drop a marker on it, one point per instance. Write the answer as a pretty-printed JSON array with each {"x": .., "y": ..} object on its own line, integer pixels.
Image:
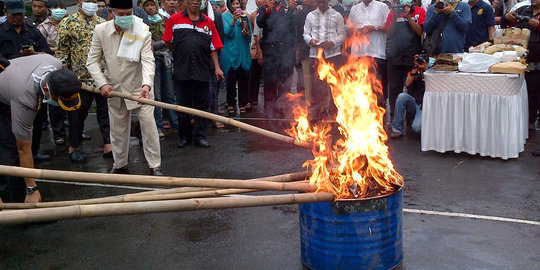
[
  {"x": 74, "y": 40},
  {"x": 49, "y": 30}
]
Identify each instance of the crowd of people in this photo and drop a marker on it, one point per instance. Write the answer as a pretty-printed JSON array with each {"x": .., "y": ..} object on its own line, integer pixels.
[{"x": 185, "y": 51}]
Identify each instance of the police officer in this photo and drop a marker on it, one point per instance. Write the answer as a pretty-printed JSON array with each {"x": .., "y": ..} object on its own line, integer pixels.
[{"x": 26, "y": 85}]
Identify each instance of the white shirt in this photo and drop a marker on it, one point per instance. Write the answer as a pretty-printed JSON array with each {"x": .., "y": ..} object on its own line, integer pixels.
[
  {"x": 327, "y": 26},
  {"x": 374, "y": 14},
  {"x": 164, "y": 13}
]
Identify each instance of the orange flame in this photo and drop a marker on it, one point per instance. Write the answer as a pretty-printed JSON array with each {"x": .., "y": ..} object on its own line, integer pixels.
[{"x": 358, "y": 163}]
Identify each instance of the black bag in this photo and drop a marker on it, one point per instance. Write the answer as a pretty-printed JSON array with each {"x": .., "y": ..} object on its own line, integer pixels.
[{"x": 432, "y": 42}]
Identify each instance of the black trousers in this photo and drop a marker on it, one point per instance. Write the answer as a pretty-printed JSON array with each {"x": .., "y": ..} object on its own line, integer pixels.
[
  {"x": 383, "y": 77},
  {"x": 278, "y": 68},
  {"x": 12, "y": 189},
  {"x": 192, "y": 94},
  {"x": 76, "y": 118},
  {"x": 396, "y": 81},
  {"x": 533, "y": 91},
  {"x": 241, "y": 77},
  {"x": 254, "y": 81},
  {"x": 321, "y": 98},
  {"x": 37, "y": 129},
  {"x": 57, "y": 116}
]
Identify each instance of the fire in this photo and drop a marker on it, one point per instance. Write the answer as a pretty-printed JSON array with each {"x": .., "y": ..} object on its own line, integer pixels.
[{"x": 358, "y": 163}]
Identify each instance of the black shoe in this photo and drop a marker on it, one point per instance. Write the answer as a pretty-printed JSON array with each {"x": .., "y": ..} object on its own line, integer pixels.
[
  {"x": 76, "y": 156},
  {"x": 202, "y": 143},
  {"x": 107, "y": 155},
  {"x": 156, "y": 171},
  {"x": 123, "y": 170},
  {"x": 536, "y": 153},
  {"x": 41, "y": 157},
  {"x": 183, "y": 143}
]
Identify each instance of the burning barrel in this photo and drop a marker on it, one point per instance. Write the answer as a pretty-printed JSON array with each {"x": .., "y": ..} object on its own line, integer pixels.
[{"x": 352, "y": 233}]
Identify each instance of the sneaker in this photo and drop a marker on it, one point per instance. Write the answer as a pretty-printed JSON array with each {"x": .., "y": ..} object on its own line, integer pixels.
[
  {"x": 161, "y": 134},
  {"x": 395, "y": 135},
  {"x": 76, "y": 156}
]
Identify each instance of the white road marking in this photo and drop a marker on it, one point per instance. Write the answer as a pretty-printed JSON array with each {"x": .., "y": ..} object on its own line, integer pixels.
[
  {"x": 450, "y": 214},
  {"x": 406, "y": 210}
]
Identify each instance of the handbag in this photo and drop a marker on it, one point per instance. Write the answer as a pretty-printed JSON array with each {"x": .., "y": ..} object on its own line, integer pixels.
[{"x": 432, "y": 42}]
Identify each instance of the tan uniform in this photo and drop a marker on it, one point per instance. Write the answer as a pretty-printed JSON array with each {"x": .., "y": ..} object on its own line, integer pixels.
[{"x": 126, "y": 77}]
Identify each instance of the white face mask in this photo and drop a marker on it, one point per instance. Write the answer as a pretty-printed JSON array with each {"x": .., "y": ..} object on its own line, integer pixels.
[{"x": 89, "y": 8}]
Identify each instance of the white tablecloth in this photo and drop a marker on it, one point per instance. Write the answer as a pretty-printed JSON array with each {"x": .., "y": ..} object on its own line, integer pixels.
[{"x": 484, "y": 114}]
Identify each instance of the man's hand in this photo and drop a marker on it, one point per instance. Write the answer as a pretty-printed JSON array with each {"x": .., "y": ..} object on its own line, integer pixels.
[
  {"x": 448, "y": 9},
  {"x": 327, "y": 44},
  {"x": 270, "y": 5},
  {"x": 534, "y": 23},
  {"x": 35, "y": 197},
  {"x": 219, "y": 74},
  {"x": 106, "y": 90},
  {"x": 145, "y": 92},
  {"x": 314, "y": 43},
  {"x": 26, "y": 52},
  {"x": 510, "y": 16},
  {"x": 368, "y": 28}
]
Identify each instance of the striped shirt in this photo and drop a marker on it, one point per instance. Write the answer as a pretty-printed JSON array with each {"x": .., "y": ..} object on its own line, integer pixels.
[{"x": 327, "y": 26}]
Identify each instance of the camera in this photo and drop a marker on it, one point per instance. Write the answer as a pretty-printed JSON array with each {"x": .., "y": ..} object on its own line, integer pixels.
[
  {"x": 440, "y": 5},
  {"x": 25, "y": 46},
  {"x": 522, "y": 18},
  {"x": 421, "y": 58}
]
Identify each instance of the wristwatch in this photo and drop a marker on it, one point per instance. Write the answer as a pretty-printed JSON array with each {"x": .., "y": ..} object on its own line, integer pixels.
[{"x": 30, "y": 190}]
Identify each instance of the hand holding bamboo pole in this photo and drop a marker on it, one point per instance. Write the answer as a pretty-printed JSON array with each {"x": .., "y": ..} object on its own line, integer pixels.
[{"x": 211, "y": 116}]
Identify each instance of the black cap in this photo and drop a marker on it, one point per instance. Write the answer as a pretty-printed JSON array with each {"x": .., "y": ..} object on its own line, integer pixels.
[
  {"x": 122, "y": 4},
  {"x": 54, "y": 3},
  {"x": 14, "y": 6},
  {"x": 65, "y": 85},
  {"x": 4, "y": 63}
]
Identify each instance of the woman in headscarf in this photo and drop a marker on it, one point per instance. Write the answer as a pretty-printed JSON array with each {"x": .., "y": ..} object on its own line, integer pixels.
[{"x": 235, "y": 56}]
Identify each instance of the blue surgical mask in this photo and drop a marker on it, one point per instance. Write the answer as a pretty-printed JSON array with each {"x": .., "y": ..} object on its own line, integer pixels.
[
  {"x": 203, "y": 5},
  {"x": 405, "y": 2},
  {"x": 124, "y": 22},
  {"x": 348, "y": 2},
  {"x": 49, "y": 101},
  {"x": 451, "y": 1},
  {"x": 89, "y": 8},
  {"x": 58, "y": 13},
  {"x": 155, "y": 18}
]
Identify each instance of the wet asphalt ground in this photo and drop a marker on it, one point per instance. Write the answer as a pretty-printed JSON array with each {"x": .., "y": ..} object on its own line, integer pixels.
[{"x": 268, "y": 237}]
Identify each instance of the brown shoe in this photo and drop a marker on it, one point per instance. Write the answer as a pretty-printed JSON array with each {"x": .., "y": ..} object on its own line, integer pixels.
[
  {"x": 156, "y": 171},
  {"x": 395, "y": 135},
  {"x": 123, "y": 170}
]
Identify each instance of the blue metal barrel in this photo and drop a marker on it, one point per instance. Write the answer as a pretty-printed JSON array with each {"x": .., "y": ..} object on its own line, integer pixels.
[{"x": 352, "y": 234}]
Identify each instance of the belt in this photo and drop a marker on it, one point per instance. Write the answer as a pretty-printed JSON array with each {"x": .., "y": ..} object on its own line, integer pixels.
[{"x": 533, "y": 66}]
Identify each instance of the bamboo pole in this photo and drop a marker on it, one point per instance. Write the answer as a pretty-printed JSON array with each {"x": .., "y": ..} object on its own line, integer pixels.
[
  {"x": 165, "y": 194},
  {"x": 89, "y": 177},
  {"x": 211, "y": 116},
  {"x": 130, "y": 208}
]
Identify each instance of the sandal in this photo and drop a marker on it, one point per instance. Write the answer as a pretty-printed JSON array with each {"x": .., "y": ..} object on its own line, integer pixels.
[
  {"x": 230, "y": 110},
  {"x": 219, "y": 125},
  {"x": 242, "y": 110},
  {"x": 59, "y": 141}
]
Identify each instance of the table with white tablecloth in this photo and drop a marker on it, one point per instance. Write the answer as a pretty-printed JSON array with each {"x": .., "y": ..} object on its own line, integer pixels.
[{"x": 476, "y": 113}]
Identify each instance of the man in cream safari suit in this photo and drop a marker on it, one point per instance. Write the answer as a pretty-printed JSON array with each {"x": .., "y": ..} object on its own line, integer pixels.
[{"x": 124, "y": 43}]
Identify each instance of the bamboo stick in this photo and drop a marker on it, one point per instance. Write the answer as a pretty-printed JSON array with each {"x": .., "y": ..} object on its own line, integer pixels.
[
  {"x": 165, "y": 194},
  {"x": 89, "y": 177},
  {"x": 130, "y": 208},
  {"x": 211, "y": 116}
]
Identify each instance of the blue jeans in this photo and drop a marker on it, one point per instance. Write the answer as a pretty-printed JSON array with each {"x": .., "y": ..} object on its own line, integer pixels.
[
  {"x": 164, "y": 91},
  {"x": 405, "y": 103},
  {"x": 213, "y": 88}
]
